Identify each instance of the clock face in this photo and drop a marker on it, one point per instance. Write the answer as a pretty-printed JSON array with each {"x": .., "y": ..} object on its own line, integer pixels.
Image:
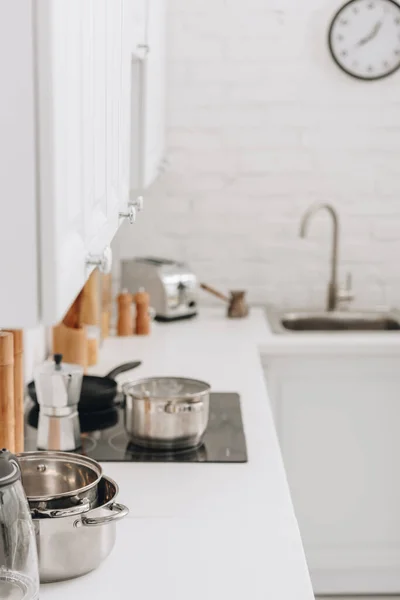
[{"x": 364, "y": 38}]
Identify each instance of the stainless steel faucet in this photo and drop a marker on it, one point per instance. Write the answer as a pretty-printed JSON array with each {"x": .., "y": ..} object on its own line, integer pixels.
[{"x": 335, "y": 294}]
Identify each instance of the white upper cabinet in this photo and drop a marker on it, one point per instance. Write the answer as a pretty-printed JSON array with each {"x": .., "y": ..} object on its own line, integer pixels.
[
  {"x": 66, "y": 145},
  {"x": 148, "y": 96}
]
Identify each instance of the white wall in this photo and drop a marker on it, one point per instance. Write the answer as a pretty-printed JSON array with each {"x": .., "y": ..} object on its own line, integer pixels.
[{"x": 261, "y": 124}]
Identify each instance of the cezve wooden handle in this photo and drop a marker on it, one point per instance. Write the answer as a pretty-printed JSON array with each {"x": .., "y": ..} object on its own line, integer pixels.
[
  {"x": 7, "y": 418},
  {"x": 215, "y": 292}
]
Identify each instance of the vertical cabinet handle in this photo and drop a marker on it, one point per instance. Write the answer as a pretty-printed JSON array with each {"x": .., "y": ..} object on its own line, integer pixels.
[{"x": 102, "y": 261}]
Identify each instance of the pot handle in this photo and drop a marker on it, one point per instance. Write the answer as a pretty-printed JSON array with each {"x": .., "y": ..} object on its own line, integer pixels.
[
  {"x": 123, "y": 368},
  {"x": 60, "y": 512},
  {"x": 118, "y": 511},
  {"x": 173, "y": 408}
]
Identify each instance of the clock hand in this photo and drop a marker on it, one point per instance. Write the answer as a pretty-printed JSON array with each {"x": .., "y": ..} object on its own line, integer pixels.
[{"x": 372, "y": 35}]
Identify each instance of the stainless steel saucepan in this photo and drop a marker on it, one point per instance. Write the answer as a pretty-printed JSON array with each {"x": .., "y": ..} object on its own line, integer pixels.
[
  {"x": 166, "y": 413},
  {"x": 72, "y": 546}
]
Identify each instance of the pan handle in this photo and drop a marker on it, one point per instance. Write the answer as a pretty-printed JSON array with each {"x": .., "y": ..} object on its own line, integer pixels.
[
  {"x": 122, "y": 368},
  {"x": 118, "y": 511}
]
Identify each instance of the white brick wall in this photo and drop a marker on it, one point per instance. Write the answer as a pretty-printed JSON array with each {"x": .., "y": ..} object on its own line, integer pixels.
[{"x": 261, "y": 124}]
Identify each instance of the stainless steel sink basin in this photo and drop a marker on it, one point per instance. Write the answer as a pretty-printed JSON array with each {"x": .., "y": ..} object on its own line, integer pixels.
[{"x": 336, "y": 321}]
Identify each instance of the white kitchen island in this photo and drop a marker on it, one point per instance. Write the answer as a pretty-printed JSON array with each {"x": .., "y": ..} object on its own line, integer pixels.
[{"x": 202, "y": 531}]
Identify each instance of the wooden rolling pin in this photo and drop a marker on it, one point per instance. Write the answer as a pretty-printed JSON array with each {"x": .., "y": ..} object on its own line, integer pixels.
[
  {"x": 18, "y": 389},
  {"x": 125, "y": 321},
  {"x": 7, "y": 417}
]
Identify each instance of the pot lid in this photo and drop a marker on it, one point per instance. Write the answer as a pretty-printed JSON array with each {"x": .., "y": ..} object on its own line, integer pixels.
[{"x": 9, "y": 470}]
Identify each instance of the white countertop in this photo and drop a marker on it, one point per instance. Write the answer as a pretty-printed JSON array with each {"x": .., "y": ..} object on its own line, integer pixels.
[{"x": 202, "y": 531}]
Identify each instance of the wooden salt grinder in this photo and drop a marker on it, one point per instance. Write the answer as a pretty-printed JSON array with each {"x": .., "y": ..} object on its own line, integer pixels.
[
  {"x": 18, "y": 389},
  {"x": 7, "y": 418},
  {"x": 125, "y": 322},
  {"x": 142, "y": 301}
]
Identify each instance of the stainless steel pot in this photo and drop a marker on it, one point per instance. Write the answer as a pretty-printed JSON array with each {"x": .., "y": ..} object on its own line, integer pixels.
[
  {"x": 59, "y": 483},
  {"x": 166, "y": 413},
  {"x": 71, "y": 546}
]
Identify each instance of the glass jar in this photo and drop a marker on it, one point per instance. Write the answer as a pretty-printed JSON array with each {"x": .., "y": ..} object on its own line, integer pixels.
[{"x": 19, "y": 568}]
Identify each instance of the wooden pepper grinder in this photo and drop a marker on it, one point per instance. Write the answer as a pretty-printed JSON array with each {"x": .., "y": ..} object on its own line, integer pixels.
[
  {"x": 18, "y": 389},
  {"x": 124, "y": 323},
  {"x": 7, "y": 418},
  {"x": 142, "y": 300}
]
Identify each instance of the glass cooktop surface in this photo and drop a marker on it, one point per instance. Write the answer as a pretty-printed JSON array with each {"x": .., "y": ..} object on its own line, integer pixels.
[{"x": 104, "y": 437}]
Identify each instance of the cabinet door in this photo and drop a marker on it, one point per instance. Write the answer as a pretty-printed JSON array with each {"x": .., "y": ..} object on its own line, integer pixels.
[
  {"x": 154, "y": 92},
  {"x": 114, "y": 106},
  {"x": 80, "y": 82},
  {"x": 62, "y": 226},
  {"x": 102, "y": 91},
  {"x": 337, "y": 422},
  {"x": 94, "y": 119}
]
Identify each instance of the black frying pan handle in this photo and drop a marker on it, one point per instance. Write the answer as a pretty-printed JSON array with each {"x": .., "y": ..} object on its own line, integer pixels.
[{"x": 122, "y": 368}]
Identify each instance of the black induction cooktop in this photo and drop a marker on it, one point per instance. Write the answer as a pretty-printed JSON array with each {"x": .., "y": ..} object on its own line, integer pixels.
[{"x": 104, "y": 437}]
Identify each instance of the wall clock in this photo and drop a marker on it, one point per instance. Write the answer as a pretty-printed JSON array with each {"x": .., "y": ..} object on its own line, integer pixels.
[{"x": 364, "y": 38}]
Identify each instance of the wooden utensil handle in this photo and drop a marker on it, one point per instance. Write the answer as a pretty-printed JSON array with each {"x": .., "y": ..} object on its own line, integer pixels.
[
  {"x": 72, "y": 317},
  {"x": 71, "y": 343},
  {"x": 18, "y": 389},
  {"x": 91, "y": 301},
  {"x": 215, "y": 292}
]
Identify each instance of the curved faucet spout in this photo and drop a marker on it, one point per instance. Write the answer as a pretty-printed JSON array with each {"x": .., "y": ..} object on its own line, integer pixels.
[{"x": 333, "y": 285}]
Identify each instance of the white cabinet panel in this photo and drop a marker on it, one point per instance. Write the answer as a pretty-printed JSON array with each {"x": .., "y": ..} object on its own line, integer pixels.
[
  {"x": 80, "y": 54},
  {"x": 98, "y": 135},
  {"x": 62, "y": 243},
  {"x": 154, "y": 92},
  {"x": 76, "y": 135},
  {"x": 148, "y": 101},
  {"x": 136, "y": 19},
  {"x": 337, "y": 423},
  {"x": 113, "y": 102},
  {"x": 18, "y": 239}
]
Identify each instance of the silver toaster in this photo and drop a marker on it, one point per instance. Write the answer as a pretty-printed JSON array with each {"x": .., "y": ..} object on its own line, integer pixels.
[{"x": 171, "y": 285}]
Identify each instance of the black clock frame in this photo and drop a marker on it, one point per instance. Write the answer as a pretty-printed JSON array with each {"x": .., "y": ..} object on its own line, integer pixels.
[{"x": 341, "y": 67}]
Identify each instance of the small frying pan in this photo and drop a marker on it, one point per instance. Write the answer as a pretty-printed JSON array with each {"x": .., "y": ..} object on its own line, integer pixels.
[{"x": 97, "y": 393}]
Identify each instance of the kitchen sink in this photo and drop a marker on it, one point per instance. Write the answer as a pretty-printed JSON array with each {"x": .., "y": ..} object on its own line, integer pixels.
[{"x": 335, "y": 321}]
